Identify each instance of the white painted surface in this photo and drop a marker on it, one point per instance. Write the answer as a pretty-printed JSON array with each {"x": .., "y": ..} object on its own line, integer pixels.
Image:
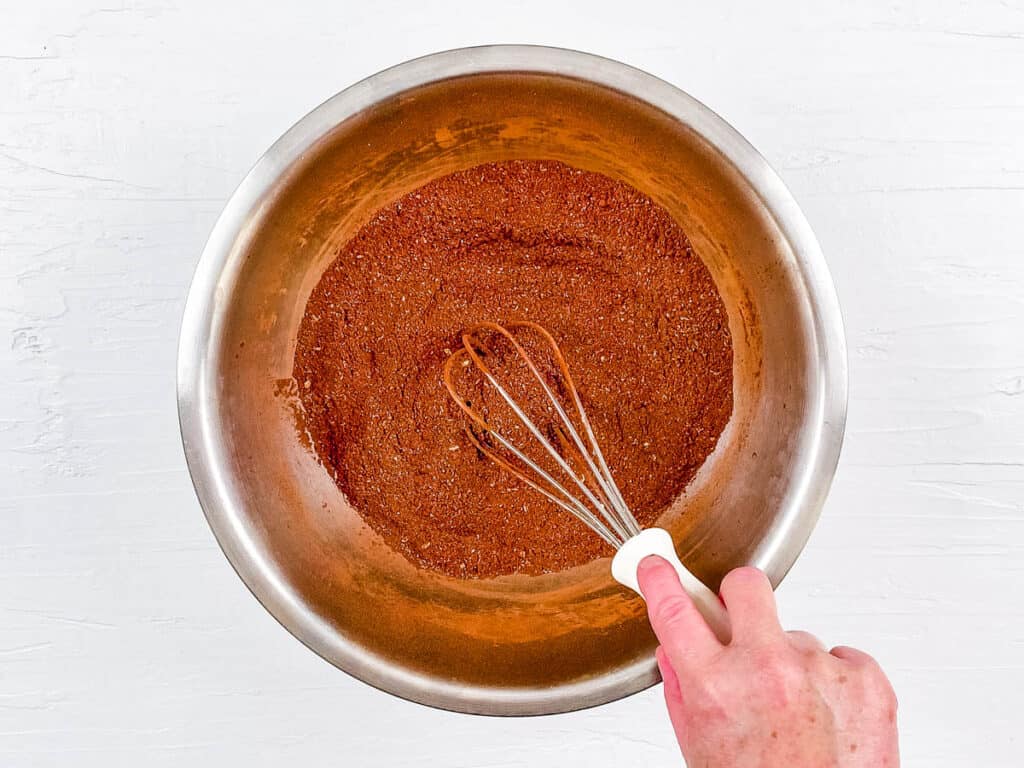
[{"x": 126, "y": 639}]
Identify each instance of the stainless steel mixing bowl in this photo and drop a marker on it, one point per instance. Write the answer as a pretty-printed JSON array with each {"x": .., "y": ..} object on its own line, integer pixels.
[{"x": 512, "y": 645}]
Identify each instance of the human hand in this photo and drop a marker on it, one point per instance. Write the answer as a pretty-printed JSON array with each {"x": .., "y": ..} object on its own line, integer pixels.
[{"x": 768, "y": 699}]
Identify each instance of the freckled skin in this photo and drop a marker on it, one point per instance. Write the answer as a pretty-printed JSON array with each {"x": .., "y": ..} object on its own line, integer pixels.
[{"x": 769, "y": 699}]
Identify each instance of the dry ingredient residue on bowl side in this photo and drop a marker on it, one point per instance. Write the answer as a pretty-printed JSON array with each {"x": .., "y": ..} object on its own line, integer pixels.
[{"x": 605, "y": 269}]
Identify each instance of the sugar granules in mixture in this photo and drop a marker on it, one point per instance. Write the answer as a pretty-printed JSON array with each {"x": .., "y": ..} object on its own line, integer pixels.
[{"x": 605, "y": 269}]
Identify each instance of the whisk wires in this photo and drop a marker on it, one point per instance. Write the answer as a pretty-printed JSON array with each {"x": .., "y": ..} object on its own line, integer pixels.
[{"x": 596, "y": 499}]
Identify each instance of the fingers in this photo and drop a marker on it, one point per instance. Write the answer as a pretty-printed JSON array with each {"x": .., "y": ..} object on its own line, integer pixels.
[
  {"x": 748, "y": 597},
  {"x": 673, "y": 692},
  {"x": 805, "y": 641},
  {"x": 853, "y": 656},
  {"x": 676, "y": 621},
  {"x": 873, "y": 675}
]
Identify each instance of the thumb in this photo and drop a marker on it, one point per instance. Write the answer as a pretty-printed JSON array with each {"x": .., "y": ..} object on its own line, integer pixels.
[{"x": 680, "y": 627}]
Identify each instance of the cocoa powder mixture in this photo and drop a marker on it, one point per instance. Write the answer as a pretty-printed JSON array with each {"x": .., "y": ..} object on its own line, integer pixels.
[{"x": 606, "y": 270}]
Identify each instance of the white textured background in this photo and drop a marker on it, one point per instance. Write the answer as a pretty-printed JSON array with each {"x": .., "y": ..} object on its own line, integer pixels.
[{"x": 126, "y": 639}]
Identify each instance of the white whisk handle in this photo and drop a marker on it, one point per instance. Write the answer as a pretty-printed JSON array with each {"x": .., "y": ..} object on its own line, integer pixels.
[{"x": 658, "y": 541}]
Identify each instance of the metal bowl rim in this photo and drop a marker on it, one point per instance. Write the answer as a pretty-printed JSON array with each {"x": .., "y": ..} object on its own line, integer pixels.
[{"x": 775, "y": 555}]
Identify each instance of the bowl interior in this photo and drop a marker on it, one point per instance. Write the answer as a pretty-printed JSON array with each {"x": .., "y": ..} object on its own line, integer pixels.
[{"x": 511, "y": 644}]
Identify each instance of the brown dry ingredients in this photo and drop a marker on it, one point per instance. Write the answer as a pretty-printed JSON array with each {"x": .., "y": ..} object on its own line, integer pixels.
[{"x": 601, "y": 266}]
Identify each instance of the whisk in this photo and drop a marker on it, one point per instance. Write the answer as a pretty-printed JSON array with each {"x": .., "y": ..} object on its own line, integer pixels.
[{"x": 555, "y": 451}]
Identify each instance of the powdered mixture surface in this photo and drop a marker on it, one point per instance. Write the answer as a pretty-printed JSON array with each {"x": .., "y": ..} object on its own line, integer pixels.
[{"x": 601, "y": 266}]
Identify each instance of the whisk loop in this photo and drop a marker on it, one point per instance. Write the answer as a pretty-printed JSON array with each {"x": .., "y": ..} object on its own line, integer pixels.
[{"x": 578, "y": 457}]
